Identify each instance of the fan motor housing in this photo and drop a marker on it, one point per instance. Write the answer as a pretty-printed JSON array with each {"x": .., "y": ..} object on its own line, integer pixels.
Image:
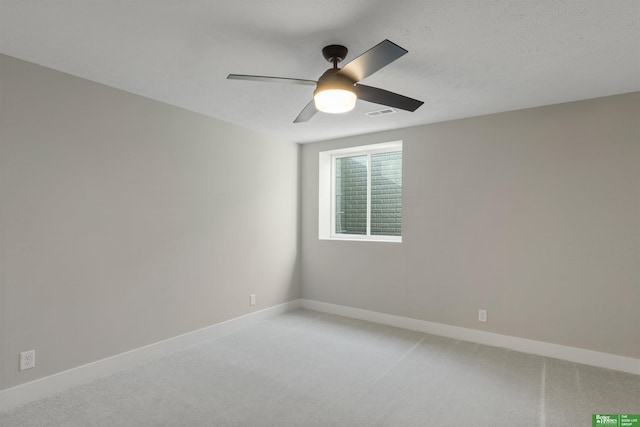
[{"x": 331, "y": 80}]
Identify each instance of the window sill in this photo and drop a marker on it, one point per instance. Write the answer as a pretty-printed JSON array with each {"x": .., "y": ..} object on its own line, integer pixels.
[{"x": 354, "y": 238}]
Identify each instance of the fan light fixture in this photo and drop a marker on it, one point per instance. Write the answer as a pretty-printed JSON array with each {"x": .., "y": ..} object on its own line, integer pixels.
[
  {"x": 335, "y": 101},
  {"x": 334, "y": 94}
]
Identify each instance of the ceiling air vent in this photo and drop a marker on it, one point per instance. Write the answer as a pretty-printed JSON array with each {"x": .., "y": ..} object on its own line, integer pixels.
[{"x": 382, "y": 112}]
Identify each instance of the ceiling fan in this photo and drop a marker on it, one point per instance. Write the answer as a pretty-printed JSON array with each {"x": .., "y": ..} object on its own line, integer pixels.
[{"x": 338, "y": 88}]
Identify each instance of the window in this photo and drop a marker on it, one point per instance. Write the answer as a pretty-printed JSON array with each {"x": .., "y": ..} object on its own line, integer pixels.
[{"x": 361, "y": 193}]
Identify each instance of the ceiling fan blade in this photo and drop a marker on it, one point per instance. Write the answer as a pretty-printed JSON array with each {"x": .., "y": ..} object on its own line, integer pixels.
[
  {"x": 382, "y": 54},
  {"x": 384, "y": 97},
  {"x": 307, "y": 112},
  {"x": 272, "y": 79}
]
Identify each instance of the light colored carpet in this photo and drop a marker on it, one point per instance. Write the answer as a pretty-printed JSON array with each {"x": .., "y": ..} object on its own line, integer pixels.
[{"x": 311, "y": 369}]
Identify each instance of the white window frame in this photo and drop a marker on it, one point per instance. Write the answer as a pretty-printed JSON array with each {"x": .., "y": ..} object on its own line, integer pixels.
[{"x": 327, "y": 191}]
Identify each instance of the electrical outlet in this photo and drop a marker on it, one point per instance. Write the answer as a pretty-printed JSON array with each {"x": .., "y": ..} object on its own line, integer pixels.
[
  {"x": 27, "y": 359},
  {"x": 482, "y": 315},
  {"x": 252, "y": 299}
]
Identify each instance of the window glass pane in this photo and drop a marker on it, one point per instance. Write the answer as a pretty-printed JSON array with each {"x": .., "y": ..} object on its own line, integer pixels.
[
  {"x": 386, "y": 194},
  {"x": 351, "y": 195}
]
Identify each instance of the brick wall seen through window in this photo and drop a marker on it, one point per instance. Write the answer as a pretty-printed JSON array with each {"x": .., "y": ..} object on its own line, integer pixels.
[{"x": 386, "y": 194}]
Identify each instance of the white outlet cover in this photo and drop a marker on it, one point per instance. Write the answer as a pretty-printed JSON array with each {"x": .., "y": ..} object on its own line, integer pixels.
[
  {"x": 482, "y": 315},
  {"x": 27, "y": 359}
]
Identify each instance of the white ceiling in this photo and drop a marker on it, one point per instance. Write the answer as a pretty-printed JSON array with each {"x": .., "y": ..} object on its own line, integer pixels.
[{"x": 466, "y": 58}]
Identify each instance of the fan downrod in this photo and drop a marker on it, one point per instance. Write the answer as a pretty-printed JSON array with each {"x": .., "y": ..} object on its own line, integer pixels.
[{"x": 334, "y": 53}]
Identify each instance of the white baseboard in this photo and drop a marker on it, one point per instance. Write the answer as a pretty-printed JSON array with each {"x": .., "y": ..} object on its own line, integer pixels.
[
  {"x": 30, "y": 391},
  {"x": 572, "y": 354}
]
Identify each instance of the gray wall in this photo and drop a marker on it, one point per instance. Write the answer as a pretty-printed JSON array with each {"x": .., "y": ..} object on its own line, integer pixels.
[
  {"x": 533, "y": 215},
  {"x": 124, "y": 221}
]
